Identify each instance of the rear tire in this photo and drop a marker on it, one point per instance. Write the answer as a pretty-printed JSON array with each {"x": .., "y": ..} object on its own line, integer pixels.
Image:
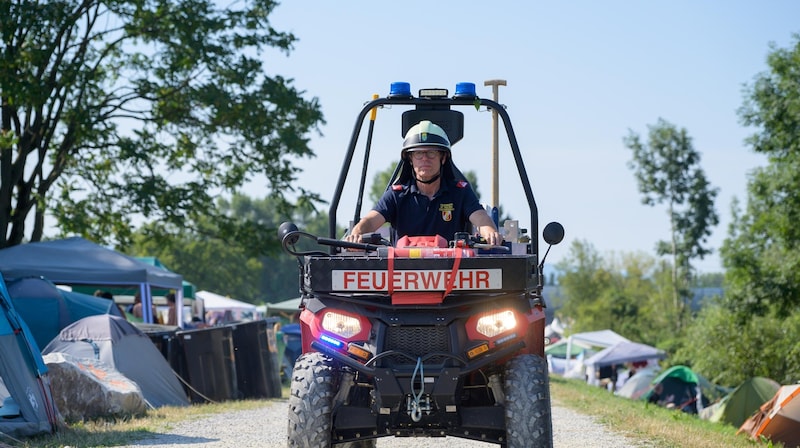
[
  {"x": 315, "y": 382},
  {"x": 527, "y": 400}
]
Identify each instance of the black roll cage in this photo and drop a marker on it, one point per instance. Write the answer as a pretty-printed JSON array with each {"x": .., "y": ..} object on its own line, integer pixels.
[{"x": 435, "y": 104}]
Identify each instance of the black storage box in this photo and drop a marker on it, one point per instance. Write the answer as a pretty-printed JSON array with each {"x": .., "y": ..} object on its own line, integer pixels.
[
  {"x": 256, "y": 355},
  {"x": 207, "y": 363}
]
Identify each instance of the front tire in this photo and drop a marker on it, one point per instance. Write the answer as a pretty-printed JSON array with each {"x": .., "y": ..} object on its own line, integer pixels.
[
  {"x": 315, "y": 382},
  {"x": 311, "y": 401},
  {"x": 527, "y": 400}
]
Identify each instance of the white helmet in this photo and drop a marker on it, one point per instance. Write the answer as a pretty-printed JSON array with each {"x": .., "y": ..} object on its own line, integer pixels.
[{"x": 425, "y": 134}]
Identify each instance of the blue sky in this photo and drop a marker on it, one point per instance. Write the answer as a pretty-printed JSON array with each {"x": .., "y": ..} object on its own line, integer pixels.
[{"x": 580, "y": 74}]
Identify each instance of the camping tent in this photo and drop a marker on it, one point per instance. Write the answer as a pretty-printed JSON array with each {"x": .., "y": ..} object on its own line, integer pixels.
[
  {"x": 739, "y": 405},
  {"x": 221, "y": 305},
  {"x": 778, "y": 419},
  {"x": 47, "y": 309},
  {"x": 601, "y": 364},
  {"x": 639, "y": 384},
  {"x": 118, "y": 343},
  {"x": 682, "y": 388},
  {"x": 76, "y": 261},
  {"x": 28, "y": 408}
]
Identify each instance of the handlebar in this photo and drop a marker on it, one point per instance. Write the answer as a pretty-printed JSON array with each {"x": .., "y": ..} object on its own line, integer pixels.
[{"x": 290, "y": 235}]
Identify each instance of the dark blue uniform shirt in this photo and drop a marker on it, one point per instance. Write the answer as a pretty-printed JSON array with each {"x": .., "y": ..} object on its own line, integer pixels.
[{"x": 411, "y": 213}]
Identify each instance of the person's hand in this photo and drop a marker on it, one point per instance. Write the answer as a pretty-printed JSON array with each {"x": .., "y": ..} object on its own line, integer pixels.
[
  {"x": 353, "y": 237},
  {"x": 491, "y": 236}
]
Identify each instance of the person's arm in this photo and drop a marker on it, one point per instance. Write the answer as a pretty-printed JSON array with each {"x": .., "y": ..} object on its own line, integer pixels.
[
  {"x": 172, "y": 316},
  {"x": 486, "y": 228},
  {"x": 368, "y": 224}
]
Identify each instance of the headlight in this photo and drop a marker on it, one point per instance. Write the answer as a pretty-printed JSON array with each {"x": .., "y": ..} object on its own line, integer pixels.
[
  {"x": 341, "y": 325},
  {"x": 493, "y": 324}
]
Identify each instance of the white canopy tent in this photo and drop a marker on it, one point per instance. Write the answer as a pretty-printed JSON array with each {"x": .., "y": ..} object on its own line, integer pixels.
[
  {"x": 601, "y": 338},
  {"x": 216, "y": 303}
]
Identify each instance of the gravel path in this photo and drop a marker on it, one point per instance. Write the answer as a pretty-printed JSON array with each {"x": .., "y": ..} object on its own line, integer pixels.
[{"x": 266, "y": 427}]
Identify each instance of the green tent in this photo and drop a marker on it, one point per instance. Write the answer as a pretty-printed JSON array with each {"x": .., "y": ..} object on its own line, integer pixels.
[
  {"x": 681, "y": 373},
  {"x": 739, "y": 405},
  {"x": 681, "y": 380}
]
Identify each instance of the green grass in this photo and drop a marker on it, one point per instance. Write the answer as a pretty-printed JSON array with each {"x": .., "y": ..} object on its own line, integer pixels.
[{"x": 654, "y": 426}]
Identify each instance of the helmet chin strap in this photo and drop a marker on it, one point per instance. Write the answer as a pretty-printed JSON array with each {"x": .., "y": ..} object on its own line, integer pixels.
[{"x": 429, "y": 181}]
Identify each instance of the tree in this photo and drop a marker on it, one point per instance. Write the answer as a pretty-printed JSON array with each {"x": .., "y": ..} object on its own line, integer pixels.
[
  {"x": 667, "y": 171},
  {"x": 729, "y": 346},
  {"x": 762, "y": 251},
  {"x": 114, "y": 111},
  {"x": 617, "y": 292}
]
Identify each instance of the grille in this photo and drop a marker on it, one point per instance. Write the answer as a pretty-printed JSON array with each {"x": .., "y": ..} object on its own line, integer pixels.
[{"x": 416, "y": 342}]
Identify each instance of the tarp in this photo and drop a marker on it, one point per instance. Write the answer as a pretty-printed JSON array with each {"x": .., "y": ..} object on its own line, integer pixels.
[
  {"x": 47, "y": 310},
  {"x": 76, "y": 261},
  {"x": 28, "y": 407},
  {"x": 121, "y": 345},
  {"x": 622, "y": 352},
  {"x": 739, "y": 405},
  {"x": 778, "y": 419}
]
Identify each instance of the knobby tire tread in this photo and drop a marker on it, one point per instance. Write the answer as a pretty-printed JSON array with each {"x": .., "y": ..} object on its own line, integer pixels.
[{"x": 527, "y": 400}]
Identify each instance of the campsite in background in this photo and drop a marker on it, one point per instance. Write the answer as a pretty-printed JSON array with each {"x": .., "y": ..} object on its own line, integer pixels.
[{"x": 759, "y": 407}]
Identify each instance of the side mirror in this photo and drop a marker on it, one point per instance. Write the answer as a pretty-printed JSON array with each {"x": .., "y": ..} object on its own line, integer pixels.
[
  {"x": 553, "y": 233},
  {"x": 285, "y": 229}
]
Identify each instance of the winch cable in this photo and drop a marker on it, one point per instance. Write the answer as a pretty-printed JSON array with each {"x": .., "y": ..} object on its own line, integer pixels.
[{"x": 416, "y": 409}]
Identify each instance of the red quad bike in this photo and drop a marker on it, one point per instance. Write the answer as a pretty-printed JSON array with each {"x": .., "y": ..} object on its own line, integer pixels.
[{"x": 422, "y": 337}]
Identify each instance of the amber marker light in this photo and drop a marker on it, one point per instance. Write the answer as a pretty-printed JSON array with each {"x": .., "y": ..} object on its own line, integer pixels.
[{"x": 474, "y": 352}]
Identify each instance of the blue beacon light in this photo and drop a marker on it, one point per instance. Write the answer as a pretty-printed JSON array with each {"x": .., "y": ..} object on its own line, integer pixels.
[
  {"x": 400, "y": 90},
  {"x": 465, "y": 90}
]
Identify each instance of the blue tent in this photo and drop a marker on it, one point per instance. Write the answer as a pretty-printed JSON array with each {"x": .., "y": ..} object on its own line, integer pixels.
[
  {"x": 47, "y": 310},
  {"x": 28, "y": 408}
]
